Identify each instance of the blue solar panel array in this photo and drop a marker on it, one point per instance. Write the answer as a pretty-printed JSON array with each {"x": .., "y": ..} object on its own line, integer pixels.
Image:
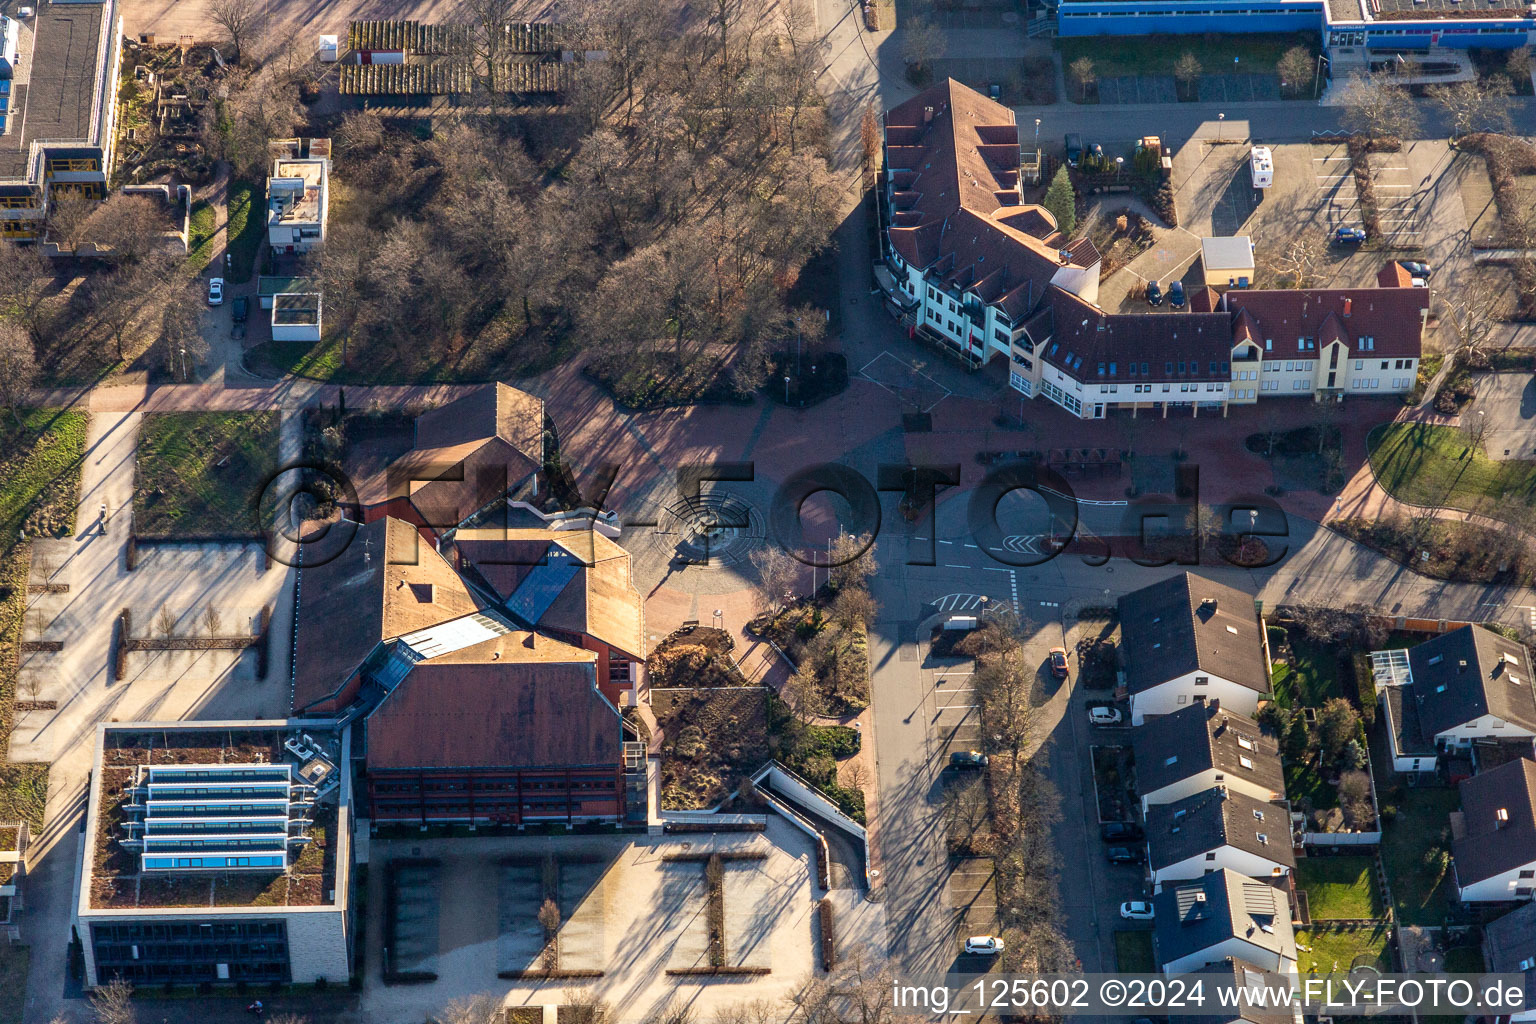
[{"x": 216, "y": 816}]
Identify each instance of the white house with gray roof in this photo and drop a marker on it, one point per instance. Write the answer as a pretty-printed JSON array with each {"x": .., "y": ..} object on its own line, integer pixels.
[
  {"x": 1217, "y": 829},
  {"x": 1220, "y": 915},
  {"x": 1201, "y": 746},
  {"x": 1190, "y": 640}
]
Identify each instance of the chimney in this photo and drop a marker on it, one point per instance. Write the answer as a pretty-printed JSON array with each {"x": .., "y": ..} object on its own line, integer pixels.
[
  {"x": 1461, "y": 665},
  {"x": 1348, "y": 305},
  {"x": 1501, "y": 817},
  {"x": 1208, "y": 604},
  {"x": 1063, "y": 256},
  {"x": 927, "y": 115},
  {"x": 1214, "y": 704}
]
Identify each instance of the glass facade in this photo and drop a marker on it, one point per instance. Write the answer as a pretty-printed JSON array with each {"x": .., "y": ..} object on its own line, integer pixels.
[{"x": 190, "y": 952}]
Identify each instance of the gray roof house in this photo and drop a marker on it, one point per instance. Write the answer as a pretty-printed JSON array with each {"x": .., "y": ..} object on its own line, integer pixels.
[
  {"x": 1248, "y": 983},
  {"x": 1509, "y": 947},
  {"x": 1220, "y": 915},
  {"x": 1216, "y": 829},
  {"x": 1189, "y": 639},
  {"x": 1204, "y": 745},
  {"x": 1493, "y": 838},
  {"x": 1461, "y": 688}
]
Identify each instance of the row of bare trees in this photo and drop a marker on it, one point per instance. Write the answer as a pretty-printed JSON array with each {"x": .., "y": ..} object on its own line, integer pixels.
[{"x": 664, "y": 215}]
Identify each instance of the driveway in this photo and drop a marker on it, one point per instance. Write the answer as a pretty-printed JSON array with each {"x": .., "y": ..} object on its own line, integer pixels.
[{"x": 1506, "y": 403}]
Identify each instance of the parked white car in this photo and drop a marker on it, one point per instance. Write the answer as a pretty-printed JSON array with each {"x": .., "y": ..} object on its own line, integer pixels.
[
  {"x": 1103, "y": 715},
  {"x": 987, "y": 945},
  {"x": 1136, "y": 910},
  {"x": 216, "y": 291}
]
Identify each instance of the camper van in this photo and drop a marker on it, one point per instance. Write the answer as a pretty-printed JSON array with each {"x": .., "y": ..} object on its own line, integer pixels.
[{"x": 1261, "y": 166}]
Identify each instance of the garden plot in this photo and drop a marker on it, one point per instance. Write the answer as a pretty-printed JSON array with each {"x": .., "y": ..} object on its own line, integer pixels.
[
  {"x": 414, "y": 902},
  {"x": 519, "y": 935},
  {"x": 750, "y": 911},
  {"x": 684, "y": 902},
  {"x": 582, "y": 932}
]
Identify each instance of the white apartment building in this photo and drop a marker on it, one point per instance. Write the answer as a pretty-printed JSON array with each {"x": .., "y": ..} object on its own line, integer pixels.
[{"x": 297, "y": 195}]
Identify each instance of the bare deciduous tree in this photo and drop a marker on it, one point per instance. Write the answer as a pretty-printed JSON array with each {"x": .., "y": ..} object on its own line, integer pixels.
[
  {"x": 1297, "y": 263},
  {"x": 1474, "y": 311},
  {"x": 112, "y": 1003},
  {"x": 852, "y": 560},
  {"x": 239, "y": 19},
  {"x": 922, "y": 43},
  {"x": 1379, "y": 108},
  {"x": 18, "y": 366},
  {"x": 777, "y": 571},
  {"x": 1186, "y": 70},
  {"x": 1475, "y": 106},
  {"x": 1084, "y": 74},
  {"x": 1298, "y": 67},
  {"x": 481, "y": 1009}
]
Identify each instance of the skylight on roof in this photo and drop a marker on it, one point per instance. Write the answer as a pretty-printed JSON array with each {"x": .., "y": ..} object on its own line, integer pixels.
[
  {"x": 1245, "y": 742},
  {"x": 1232, "y": 630},
  {"x": 1246, "y": 762}
]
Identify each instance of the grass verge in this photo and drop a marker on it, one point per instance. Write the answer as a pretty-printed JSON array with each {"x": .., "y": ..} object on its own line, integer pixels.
[
  {"x": 14, "y": 961},
  {"x": 201, "y": 474},
  {"x": 1340, "y": 887},
  {"x": 202, "y": 225},
  {"x": 1133, "y": 952},
  {"x": 246, "y": 232},
  {"x": 1426, "y": 464}
]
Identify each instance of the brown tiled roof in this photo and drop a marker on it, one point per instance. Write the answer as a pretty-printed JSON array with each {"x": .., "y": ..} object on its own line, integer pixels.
[
  {"x": 1491, "y": 846},
  {"x": 953, "y": 156},
  {"x": 531, "y": 706},
  {"x": 1204, "y": 300},
  {"x": 1394, "y": 275},
  {"x": 1391, "y": 316},
  {"x": 385, "y": 583},
  {"x": 494, "y": 410},
  {"x": 1084, "y": 336},
  {"x": 600, "y": 601}
]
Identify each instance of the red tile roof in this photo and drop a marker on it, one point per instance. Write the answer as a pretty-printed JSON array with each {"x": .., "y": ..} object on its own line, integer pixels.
[
  {"x": 953, "y": 159},
  {"x": 472, "y": 710},
  {"x": 1391, "y": 317},
  {"x": 1082, "y": 336}
]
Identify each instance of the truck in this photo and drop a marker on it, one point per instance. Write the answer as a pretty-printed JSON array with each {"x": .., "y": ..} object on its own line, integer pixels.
[{"x": 1261, "y": 167}]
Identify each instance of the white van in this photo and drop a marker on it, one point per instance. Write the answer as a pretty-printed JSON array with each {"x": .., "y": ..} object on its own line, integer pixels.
[{"x": 1261, "y": 166}]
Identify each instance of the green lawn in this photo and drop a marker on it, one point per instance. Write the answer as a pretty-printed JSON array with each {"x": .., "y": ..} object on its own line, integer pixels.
[
  {"x": 1335, "y": 953},
  {"x": 1304, "y": 779},
  {"x": 1421, "y": 892},
  {"x": 247, "y": 227},
  {"x": 1133, "y": 953},
  {"x": 179, "y": 487},
  {"x": 1309, "y": 679},
  {"x": 1340, "y": 887},
  {"x": 14, "y": 961},
  {"x": 1464, "y": 960},
  {"x": 1434, "y": 465},
  {"x": 1156, "y": 54},
  {"x": 202, "y": 225},
  {"x": 41, "y": 472}
]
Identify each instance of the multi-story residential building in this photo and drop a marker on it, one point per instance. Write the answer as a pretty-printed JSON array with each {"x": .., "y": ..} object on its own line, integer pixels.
[
  {"x": 1201, "y": 746},
  {"x": 1509, "y": 947},
  {"x": 971, "y": 267},
  {"x": 58, "y": 109},
  {"x": 1229, "y": 349},
  {"x": 217, "y": 852},
  {"x": 1493, "y": 838},
  {"x": 1219, "y": 828},
  {"x": 1190, "y": 640},
  {"x": 297, "y": 195},
  {"x": 1449, "y": 694},
  {"x": 966, "y": 259}
]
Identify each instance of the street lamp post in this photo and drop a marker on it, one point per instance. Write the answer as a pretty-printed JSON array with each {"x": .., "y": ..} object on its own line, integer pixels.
[
  {"x": 786, "y": 389},
  {"x": 1219, "y": 119},
  {"x": 1119, "y": 162}
]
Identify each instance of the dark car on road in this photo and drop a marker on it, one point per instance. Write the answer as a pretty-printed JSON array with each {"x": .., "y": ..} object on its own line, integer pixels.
[
  {"x": 1059, "y": 662},
  {"x": 1176, "y": 295},
  {"x": 1120, "y": 831},
  {"x": 967, "y": 759},
  {"x": 240, "y": 308},
  {"x": 1154, "y": 294},
  {"x": 1348, "y": 236},
  {"x": 1125, "y": 855},
  {"x": 1416, "y": 268}
]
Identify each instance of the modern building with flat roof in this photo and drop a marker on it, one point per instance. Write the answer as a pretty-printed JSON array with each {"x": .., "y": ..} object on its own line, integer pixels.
[
  {"x": 59, "y": 108},
  {"x": 217, "y": 852}
]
